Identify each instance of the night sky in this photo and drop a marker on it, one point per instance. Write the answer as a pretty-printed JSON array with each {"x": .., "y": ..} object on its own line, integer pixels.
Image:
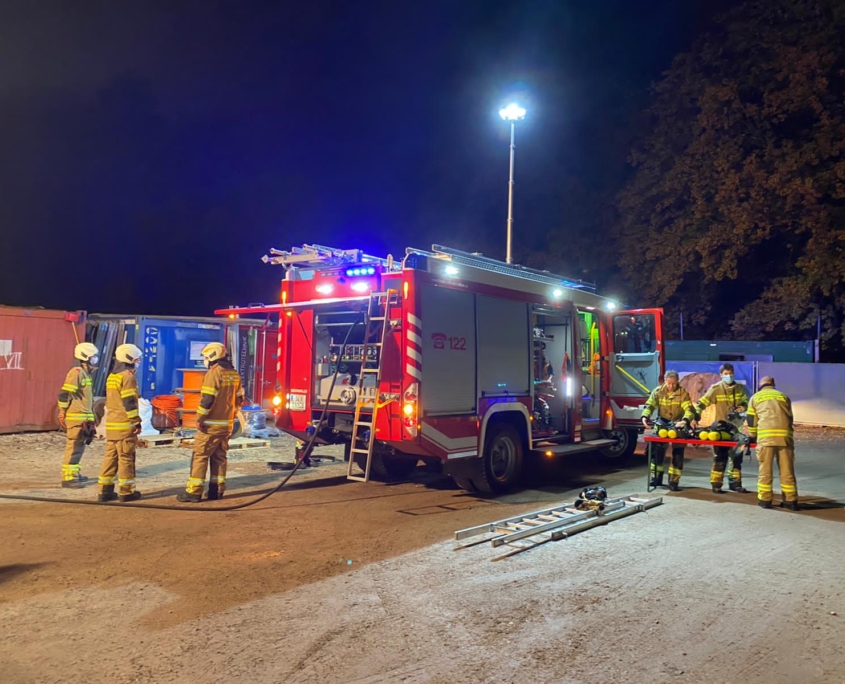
[{"x": 150, "y": 153}]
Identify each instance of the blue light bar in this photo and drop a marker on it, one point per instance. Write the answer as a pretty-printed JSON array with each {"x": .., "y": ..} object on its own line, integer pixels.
[{"x": 361, "y": 271}]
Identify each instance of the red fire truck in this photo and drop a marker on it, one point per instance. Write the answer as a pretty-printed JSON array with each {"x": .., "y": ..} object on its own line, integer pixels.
[{"x": 458, "y": 358}]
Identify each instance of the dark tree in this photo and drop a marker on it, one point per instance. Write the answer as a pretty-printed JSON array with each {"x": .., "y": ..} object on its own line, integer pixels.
[{"x": 735, "y": 213}]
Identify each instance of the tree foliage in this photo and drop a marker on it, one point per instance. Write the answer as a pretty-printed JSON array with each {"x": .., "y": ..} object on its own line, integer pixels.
[{"x": 735, "y": 213}]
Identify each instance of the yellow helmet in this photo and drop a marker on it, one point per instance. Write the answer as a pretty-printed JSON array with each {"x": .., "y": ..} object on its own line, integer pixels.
[
  {"x": 214, "y": 351},
  {"x": 128, "y": 353},
  {"x": 85, "y": 351}
]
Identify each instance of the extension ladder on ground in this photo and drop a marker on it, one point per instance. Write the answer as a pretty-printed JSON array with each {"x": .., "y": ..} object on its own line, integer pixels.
[
  {"x": 366, "y": 408},
  {"x": 559, "y": 521}
]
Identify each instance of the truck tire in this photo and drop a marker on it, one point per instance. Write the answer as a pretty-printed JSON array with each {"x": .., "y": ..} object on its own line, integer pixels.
[
  {"x": 500, "y": 466},
  {"x": 388, "y": 467},
  {"x": 626, "y": 443}
]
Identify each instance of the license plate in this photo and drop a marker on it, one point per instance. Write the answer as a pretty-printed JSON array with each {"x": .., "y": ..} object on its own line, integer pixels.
[{"x": 297, "y": 402}]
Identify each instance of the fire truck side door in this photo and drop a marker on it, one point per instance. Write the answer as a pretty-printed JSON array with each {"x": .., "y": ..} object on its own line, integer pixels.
[{"x": 636, "y": 357}]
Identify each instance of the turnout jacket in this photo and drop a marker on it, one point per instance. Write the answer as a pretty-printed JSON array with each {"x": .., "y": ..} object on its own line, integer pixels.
[
  {"x": 725, "y": 398},
  {"x": 121, "y": 402},
  {"x": 769, "y": 419},
  {"x": 76, "y": 398},
  {"x": 672, "y": 406},
  {"x": 222, "y": 396}
]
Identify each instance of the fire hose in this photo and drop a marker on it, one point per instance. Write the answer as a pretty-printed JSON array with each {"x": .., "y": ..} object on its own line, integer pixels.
[{"x": 301, "y": 457}]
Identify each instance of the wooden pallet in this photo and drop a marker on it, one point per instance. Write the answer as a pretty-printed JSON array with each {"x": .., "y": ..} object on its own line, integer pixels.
[
  {"x": 157, "y": 441},
  {"x": 237, "y": 443}
]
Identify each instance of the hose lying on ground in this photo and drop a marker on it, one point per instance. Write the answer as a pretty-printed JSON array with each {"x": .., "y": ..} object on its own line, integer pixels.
[{"x": 303, "y": 455}]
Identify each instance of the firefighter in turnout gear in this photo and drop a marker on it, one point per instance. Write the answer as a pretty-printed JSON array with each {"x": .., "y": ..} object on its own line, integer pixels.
[
  {"x": 672, "y": 402},
  {"x": 123, "y": 424},
  {"x": 769, "y": 420},
  {"x": 76, "y": 413},
  {"x": 727, "y": 396},
  {"x": 222, "y": 396}
]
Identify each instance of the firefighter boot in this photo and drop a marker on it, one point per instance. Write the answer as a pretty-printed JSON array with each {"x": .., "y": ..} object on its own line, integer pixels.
[
  {"x": 72, "y": 484},
  {"x": 134, "y": 496},
  {"x": 790, "y": 505},
  {"x": 187, "y": 497},
  {"x": 764, "y": 504},
  {"x": 214, "y": 494},
  {"x": 674, "y": 486},
  {"x": 717, "y": 489},
  {"x": 738, "y": 488},
  {"x": 106, "y": 494}
]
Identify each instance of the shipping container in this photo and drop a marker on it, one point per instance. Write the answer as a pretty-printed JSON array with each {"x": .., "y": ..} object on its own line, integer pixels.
[
  {"x": 172, "y": 344},
  {"x": 36, "y": 352}
]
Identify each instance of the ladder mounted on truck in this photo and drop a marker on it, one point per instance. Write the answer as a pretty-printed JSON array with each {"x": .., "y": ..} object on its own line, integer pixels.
[
  {"x": 558, "y": 522},
  {"x": 320, "y": 257},
  {"x": 366, "y": 409}
]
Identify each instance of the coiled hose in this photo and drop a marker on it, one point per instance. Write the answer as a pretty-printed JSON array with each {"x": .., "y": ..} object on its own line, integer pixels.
[{"x": 305, "y": 453}]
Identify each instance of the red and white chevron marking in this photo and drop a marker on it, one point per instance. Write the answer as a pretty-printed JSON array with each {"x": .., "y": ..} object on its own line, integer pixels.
[{"x": 413, "y": 347}]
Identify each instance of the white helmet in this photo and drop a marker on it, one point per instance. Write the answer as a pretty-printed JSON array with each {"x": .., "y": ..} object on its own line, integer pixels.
[
  {"x": 128, "y": 353},
  {"x": 86, "y": 351},
  {"x": 214, "y": 351}
]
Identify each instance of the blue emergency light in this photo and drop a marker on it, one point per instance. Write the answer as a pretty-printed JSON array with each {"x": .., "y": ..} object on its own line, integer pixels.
[{"x": 360, "y": 271}]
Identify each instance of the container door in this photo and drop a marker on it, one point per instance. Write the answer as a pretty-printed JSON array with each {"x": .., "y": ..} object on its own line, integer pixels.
[{"x": 636, "y": 360}]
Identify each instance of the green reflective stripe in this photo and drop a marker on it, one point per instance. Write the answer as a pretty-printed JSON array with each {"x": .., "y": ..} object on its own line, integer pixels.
[
  {"x": 125, "y": 394},
  {"x": 202, "y": 411},
  {"x": 764, "y": 487},
  {"x": 118, "y": 426},
  {"x": 789, "y": 488},
  {"x": 218, "y": 422},
  {"x": 64, "y": 404},
  {"x": 105, "y": 480},
  {"x": 209, "y": 390},
  {"x": 69, "y": 388},
  {"x": 80, "y": 416},
  {"x": 704, "y": 401},
  {"x": 774, "y": 433},
  {"x": 132, "y": 414}
]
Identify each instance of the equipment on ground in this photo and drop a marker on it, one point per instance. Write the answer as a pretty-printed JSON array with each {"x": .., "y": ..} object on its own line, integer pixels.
[{"x": 558, "y": 522}]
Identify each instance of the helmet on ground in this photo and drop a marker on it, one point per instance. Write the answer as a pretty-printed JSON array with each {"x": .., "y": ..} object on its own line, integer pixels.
[
  {"x": 593, "y": 494},
  {"x": 214, "y": 351},
  {"x": 128, "y": 353},
  {"x": 85, "y": 351}
]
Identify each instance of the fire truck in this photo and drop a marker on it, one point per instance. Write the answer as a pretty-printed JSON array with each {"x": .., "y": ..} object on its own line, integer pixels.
[{"x": 457, "y": 358}]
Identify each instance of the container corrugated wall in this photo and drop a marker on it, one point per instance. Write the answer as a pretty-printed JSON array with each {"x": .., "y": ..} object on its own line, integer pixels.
[{"x": 36, "y": 351}]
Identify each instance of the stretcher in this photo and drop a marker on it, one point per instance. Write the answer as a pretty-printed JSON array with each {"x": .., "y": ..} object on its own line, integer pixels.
[{"x": 683, "y": 442}]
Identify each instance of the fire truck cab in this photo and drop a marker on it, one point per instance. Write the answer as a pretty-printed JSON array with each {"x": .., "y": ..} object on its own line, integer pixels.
[{"x": 455, "y": 357}]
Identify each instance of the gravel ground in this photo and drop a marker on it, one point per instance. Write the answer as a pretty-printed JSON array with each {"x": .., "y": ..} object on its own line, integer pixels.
[{"x": 330, "y": 581}]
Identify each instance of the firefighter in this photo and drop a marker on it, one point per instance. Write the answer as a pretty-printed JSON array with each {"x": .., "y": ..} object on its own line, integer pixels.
[
  {"x": 769, "y": 420},
  {"x": 672, "y": 402},
  {"x": 123, "y": 424},
  {"x": 76, "y": 413},
  {"x": 728, "y": 396},
  {"x": 221, "y": 397}
]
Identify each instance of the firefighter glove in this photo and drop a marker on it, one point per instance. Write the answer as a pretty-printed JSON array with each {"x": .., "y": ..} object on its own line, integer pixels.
[{"x": 62, "y": 421}]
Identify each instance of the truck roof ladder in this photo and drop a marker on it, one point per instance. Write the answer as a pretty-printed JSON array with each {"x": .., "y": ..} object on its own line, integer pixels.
[
  {"x": 319, "y": 256},
  {"x": 496, "y": 266}
]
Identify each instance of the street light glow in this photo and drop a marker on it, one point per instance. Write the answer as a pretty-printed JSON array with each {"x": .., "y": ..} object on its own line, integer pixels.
[{"x": 513, "y": 112}]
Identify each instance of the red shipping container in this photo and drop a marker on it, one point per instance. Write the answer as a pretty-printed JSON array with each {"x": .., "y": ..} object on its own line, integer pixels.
[{"x": 36, "y": 352}]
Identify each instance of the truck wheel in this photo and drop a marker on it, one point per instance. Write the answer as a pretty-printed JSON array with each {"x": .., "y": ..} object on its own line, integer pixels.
[
  {"x": 626, "y": 443},
  {"x": 388, "y": 467},
  {"x": 500, "y": 466}
]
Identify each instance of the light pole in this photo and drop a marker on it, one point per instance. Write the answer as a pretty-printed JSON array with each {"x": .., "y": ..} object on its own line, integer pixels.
[{"x": 513, "y": 113}]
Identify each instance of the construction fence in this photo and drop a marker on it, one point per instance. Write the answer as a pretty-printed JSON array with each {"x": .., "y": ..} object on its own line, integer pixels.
[{"x": 817, "y": 390}]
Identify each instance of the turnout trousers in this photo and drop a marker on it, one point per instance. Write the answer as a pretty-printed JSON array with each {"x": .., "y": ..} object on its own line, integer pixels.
[
  {"x": 676, "y": 464},
  {"x": 785, "y": 458},
  {"x": 722, "y": 461},
  {"x": 209, "y": 450},
  {"x": 74, "y": 448},
  {"x": 119, "y": 465}
]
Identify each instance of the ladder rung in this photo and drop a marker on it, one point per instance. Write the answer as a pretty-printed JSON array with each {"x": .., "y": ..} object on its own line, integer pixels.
[
  {"x": 369, "y": 370},
  {"x": 360, "y": 451},
  {"x": 377, "y": 318}
]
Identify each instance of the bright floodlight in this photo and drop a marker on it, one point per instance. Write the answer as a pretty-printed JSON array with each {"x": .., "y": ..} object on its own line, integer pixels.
[
  {"x": 610, "y": 306},
  {"x": 513, "y": 112},
  {"x": 451, "y": 270}
]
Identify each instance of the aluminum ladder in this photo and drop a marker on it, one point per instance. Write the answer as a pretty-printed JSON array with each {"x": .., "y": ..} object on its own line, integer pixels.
[
  {"x": 558, "y": 522},
  {"x": 366, "y": 409}
]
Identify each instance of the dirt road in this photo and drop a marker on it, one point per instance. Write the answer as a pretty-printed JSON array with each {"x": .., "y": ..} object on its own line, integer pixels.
[{"x": 331, "y": 581}]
